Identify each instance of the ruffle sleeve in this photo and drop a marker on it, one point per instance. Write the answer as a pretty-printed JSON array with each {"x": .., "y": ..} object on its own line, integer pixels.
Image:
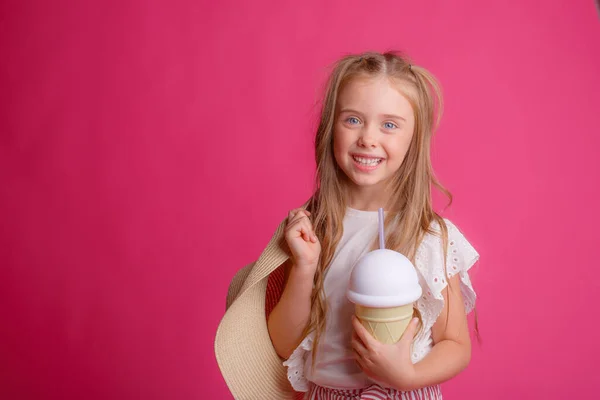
[
  {"x": 429, "y": 262},
  {"x": 295, "y": 364}
]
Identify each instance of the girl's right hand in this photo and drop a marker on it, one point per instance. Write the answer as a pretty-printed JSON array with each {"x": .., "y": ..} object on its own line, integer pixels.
[{"x": 302, "y": 241}]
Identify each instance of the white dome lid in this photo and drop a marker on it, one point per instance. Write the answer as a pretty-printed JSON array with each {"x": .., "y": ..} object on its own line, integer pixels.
[{"x": 383, "y": 278}]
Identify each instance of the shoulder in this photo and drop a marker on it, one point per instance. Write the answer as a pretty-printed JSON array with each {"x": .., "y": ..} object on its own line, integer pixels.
[
  {"x": 436, "y": 229},
  {"x": 455, "y": 252},
  {"x": 435, "y": 235}
]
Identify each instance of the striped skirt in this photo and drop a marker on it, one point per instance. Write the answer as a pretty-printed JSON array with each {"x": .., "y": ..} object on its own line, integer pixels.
[{"x": 373, "y": 392}]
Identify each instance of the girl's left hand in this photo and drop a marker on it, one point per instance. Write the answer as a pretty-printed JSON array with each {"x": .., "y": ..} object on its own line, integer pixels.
[{"x": 388, "y": 363}]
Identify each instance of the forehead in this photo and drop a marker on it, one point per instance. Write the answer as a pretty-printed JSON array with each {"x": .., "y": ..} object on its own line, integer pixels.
[{"x": 375, "y": 95}]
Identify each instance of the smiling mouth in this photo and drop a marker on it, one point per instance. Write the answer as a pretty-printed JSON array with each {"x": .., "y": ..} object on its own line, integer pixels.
[{"x": 367, "y": 162}]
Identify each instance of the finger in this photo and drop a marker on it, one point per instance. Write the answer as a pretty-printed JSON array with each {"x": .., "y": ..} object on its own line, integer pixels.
[
  {"x": 305, "y": 232},
  {"x": 292, "y": 214},
  {"x": 364, "y": 363},
  {"x": 302, "y": 219},
  {"x": 304, "y": 227},
  {"x": 295, "y": 211},
  {"x": 411, "y": 331},
  {"x": 366, "y": 338},
  {"x": 356, "y": 337},
  {"x": 297, "y": 221},
  {"x": 360, "y": 362},
  {"x": 303, "y": 213},
  {"x": 358, "y": 347},
  {"x": 311, "y": 235},
  {"x": 297, "y": 216},
  {"x": 302, "y": 230}
]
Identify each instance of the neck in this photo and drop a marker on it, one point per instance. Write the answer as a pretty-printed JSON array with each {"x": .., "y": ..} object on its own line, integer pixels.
[{"x": 366, "y": 198}]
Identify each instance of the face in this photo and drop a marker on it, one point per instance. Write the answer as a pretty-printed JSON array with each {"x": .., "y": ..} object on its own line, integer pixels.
[{"x": 372, "y": 132}]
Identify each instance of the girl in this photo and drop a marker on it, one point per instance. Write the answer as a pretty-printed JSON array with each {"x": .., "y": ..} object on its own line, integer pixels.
[{"x": 372, "y": 150}]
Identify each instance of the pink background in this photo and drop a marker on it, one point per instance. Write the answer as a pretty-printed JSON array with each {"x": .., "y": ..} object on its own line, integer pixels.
[{"x": 148, "y": 151}]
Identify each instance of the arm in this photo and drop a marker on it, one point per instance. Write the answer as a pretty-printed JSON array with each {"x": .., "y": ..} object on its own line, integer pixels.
[
  {"x": 451, "y": 352},
  {"x": 291, "y": 315}
]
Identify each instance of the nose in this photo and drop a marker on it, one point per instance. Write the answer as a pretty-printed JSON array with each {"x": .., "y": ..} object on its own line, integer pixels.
[{"x": 367, "y": 138}]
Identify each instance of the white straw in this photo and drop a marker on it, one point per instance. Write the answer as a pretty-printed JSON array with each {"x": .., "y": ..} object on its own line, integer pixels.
[{"x": 381, "y": 233}]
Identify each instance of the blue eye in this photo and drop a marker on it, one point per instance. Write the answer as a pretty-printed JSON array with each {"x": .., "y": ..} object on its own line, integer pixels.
[
  {"x": 353, "y": 120},
  {"x": 389, "y": 125}
]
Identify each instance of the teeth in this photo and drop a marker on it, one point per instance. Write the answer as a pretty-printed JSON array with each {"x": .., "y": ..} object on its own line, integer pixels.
[{"x": 371, "y": 162}]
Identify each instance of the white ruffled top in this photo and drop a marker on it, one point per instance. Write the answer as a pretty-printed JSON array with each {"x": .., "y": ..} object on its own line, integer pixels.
[{"x": 335, "y": 365}]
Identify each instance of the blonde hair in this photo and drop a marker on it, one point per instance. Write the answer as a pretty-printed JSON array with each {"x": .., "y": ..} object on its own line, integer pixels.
[{"x": 409, "y": 211}]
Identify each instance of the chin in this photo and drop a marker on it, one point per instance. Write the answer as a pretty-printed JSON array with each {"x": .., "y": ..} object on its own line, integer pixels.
[{"x": 366, "y": 182}]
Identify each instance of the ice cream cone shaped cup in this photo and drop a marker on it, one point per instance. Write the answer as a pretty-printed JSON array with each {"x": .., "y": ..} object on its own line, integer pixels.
[{"x": 384, "y": 286}]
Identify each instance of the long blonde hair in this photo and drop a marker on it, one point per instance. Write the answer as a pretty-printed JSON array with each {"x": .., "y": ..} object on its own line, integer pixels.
[{"x": 409, "y": 212}]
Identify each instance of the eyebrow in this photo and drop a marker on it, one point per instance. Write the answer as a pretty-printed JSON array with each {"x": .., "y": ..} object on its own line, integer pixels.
[{"x": 349, "y": 110}]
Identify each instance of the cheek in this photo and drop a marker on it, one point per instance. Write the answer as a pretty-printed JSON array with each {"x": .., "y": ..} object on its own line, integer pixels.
[
  {"x": 398, "y": 149},
  {"x": 340, "y": 144}
]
